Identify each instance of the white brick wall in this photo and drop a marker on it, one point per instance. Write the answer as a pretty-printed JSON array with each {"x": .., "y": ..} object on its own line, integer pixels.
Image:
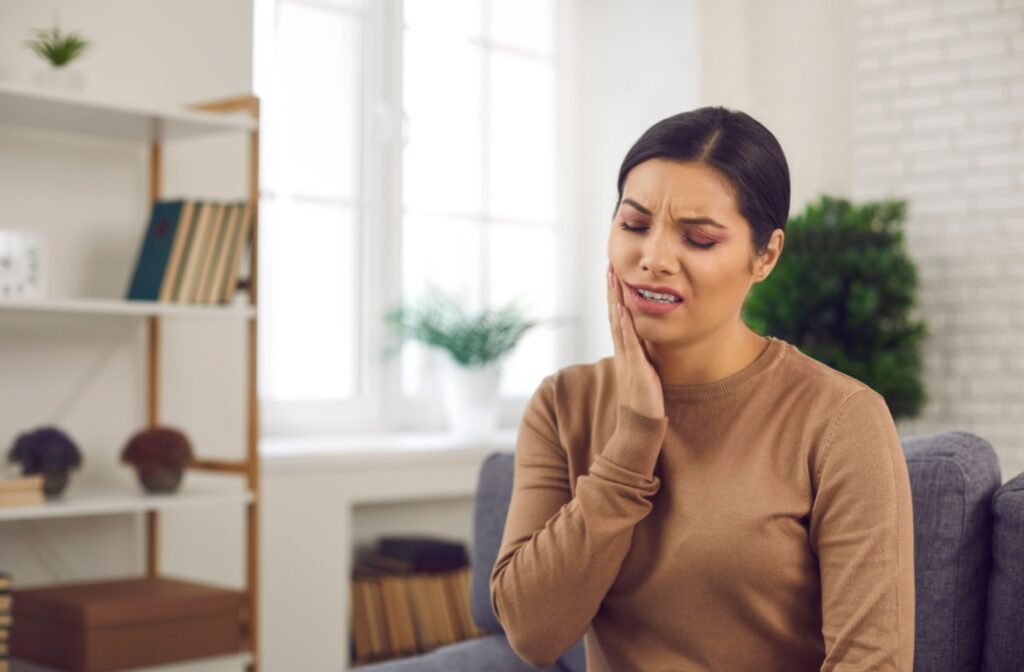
[{"x": 938, "y": 119}]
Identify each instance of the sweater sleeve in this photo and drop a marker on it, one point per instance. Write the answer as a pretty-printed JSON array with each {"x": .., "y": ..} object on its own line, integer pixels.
[
  {"x": 559, "y": 553},
  {"x": 862, "y": 530}
]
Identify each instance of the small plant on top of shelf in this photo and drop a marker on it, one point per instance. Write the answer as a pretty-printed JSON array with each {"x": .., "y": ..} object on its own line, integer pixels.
[
  {"x": 56, "y": 47},
  {"x": 59, "y": 50}
]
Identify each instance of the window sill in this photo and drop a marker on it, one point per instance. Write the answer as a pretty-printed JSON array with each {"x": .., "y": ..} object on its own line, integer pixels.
[{"x": 348, "y": 451}]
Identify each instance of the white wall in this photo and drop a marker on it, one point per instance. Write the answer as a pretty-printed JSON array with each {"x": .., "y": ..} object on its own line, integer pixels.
[
  {"x": 635, "y": 63},
  {"x": 939, "y": 121},
  {"x": 90, "y": 198},
  {"x": 788, "y": 64}
]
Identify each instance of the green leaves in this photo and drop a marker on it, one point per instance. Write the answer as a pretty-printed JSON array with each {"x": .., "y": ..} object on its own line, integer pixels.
[
  {"x": 57, "y": 48},
  {"x": 473, "y": 340},
  {"x": 842, "y": 292}
]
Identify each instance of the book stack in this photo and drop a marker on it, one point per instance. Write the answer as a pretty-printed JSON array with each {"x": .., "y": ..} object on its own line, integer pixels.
[
  {"x": 192, "y": 252},
  {"x": 409, "y": 595},
  {"x": 21, "y": 490},
  {"x": 6, "y": 620}
]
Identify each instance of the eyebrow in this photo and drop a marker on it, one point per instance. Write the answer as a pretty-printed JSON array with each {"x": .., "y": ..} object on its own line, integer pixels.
[{"x": 681, "y": 220}]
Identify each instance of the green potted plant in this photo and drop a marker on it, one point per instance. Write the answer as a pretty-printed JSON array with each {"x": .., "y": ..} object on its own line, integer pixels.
[
  {"x": 59, "y": 50},
  {"x": 47, "y": 451},
  {"x": 843, "y": 291},
  {"x": 475, "y": 346},
  {"x": 159, "y": 455}
]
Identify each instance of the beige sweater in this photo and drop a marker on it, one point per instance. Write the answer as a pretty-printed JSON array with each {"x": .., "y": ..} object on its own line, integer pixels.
[{"x": 773, "y": 529}]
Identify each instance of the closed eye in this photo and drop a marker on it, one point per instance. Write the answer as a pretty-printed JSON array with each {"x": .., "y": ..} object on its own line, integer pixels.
[{"x": 637, "y": 229}]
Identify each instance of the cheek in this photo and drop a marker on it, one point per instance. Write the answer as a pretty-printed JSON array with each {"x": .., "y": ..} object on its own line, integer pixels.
[{"x": 719, "y": 279}]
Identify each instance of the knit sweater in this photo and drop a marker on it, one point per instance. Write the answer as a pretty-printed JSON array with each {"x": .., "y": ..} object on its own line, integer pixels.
[{"x": 764, "y": 523}]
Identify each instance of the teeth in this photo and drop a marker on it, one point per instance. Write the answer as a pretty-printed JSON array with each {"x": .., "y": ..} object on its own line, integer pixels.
[{"x": 656, "y": 296}]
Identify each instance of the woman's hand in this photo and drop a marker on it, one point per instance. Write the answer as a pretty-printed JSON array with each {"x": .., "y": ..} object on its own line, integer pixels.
[{"x": 638, "y": 384}]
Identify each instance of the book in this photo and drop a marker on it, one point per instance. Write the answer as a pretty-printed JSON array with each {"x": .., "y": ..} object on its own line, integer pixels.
[
  {"x": 425, "y": 554},
  {"x": 375, "y": 617},
  {"x": 240, "y": 245},
  {"x": 215, "y": 288},
  {"x": 442, "y": 609},
  {"x": 194, "y": 248},
  {"x": 21, "y": 483},
  {"x": 155, "y": 252},
  {"x": 181, "y": 237},
  {"x": 362, "y": 648},
  {"x": 214, "y": 241},
  {"x": 22, "y": 498},
  {"x": 203, "y": 244}
]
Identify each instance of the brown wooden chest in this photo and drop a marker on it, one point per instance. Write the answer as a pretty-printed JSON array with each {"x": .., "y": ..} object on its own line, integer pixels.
[{"x": 113, "y": 625}]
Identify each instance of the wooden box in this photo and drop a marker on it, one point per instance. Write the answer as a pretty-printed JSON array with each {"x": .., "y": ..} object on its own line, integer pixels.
[{"x": 113, "y": 625}]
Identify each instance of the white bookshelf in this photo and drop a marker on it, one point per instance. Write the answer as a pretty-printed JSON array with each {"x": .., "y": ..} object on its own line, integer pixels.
[
  {"x": 204, "y": 483},
  {"x": 27, "y": 106},
  {"x": 125, "y": 307},
  {"x": 80, "y": 499}
]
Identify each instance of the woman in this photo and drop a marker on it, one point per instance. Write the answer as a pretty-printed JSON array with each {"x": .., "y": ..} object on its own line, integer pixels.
[{"x": 707, "y": 498}]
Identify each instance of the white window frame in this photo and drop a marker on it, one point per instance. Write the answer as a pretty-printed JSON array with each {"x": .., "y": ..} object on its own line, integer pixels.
[{"x": 379, "y": 405}]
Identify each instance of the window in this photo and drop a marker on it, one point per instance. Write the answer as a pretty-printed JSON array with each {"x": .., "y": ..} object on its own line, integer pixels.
[{"x": 405, "y": 144}]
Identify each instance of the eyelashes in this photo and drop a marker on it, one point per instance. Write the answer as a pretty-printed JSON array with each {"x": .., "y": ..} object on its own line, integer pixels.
[{"x": 637, "y": 229}]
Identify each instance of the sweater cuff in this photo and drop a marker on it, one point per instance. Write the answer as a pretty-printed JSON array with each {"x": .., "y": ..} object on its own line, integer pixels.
[{"x": 636, "y": 442}]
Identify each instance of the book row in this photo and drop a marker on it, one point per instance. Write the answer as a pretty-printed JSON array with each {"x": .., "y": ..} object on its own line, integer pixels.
[
  {"x": 192, "y": 252},
  {"x": 395, "y": 614}
]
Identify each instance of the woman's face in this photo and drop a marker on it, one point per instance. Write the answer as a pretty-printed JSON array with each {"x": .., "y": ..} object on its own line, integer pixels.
[{"x": 690, "y": 238}]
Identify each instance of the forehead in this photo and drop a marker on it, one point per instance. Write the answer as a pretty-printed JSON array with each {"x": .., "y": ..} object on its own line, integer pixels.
[{"x": 686, "y": 189}]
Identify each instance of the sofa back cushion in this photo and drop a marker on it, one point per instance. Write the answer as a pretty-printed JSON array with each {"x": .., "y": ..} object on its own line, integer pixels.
[
  {"x": 953, "y": 476},
  {"x": 493, "y": 496},
  {"x": 1004, "y": 628}
]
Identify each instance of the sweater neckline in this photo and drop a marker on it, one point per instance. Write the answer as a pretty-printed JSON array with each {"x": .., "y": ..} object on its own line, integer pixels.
[{"x": 732, "y": 383}]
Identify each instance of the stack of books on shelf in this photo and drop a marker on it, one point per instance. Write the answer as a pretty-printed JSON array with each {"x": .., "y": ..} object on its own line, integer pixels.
[
  {"x": 21, "y": 490},
  {"x": 192, "y": 252},
  {"x": 6, "y": 621},
  {"x": 409, "y": 595}
]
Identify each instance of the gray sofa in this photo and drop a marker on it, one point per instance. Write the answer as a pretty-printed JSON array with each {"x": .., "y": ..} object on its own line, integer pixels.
[{"x": 969, "y": 566}]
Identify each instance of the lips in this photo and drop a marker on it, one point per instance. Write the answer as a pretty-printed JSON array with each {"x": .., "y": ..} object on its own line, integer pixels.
[{"x": 659, "y": 289}]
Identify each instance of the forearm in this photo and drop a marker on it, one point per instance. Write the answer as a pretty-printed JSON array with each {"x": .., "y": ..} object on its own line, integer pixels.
[{"x": 547, "y": 587}]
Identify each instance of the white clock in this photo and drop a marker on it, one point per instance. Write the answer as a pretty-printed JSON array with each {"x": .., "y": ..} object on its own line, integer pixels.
[{"x": 22, "y": 264}]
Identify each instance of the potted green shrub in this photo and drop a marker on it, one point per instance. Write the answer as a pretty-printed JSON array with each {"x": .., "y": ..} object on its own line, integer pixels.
[
  {"x": 842, "y": 292},
  {"x": 475, "y": 346},
  {"x": 59, "y": 50}
]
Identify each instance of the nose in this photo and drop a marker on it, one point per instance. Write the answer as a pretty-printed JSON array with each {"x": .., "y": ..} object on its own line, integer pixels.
[{"x": 657, "y": 251}]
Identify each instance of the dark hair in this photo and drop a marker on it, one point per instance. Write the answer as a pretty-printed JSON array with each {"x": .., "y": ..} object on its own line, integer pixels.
[{"x": 736, "y": 144}]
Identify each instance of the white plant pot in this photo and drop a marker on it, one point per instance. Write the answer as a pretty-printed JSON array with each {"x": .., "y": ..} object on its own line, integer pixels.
[
  {"x": 60, "y": 79},
  {"x": 470, "y": 397}
]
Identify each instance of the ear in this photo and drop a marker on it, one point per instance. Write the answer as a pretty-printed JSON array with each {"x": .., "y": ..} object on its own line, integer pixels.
[{"x": 766, "y": 261}]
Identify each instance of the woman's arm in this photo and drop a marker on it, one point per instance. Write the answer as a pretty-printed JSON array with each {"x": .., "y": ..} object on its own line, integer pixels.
[
  {"x": 560, "y": 554},
  {"x": 862, "y": 529}
]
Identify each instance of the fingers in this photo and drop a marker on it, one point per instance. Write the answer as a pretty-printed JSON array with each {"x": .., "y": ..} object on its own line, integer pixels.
[
  {"x": 613, "y": 313},
  {"x": 631, "y": 345}
]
